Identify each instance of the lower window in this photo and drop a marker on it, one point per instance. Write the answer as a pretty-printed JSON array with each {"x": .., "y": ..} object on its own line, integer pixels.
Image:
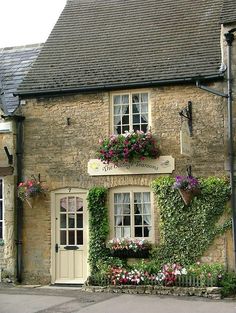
[{"x": 132, "y": 213}]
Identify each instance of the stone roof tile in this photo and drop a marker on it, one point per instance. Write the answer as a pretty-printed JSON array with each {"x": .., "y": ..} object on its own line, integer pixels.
[
  {"x": 15, "y": 63},
  {"x": 99, "y": 44}
]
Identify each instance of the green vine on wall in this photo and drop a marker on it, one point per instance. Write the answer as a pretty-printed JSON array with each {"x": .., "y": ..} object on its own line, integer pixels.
[
  {"x": 98, "y": 226},
  {"x": 187, "y": 231}
]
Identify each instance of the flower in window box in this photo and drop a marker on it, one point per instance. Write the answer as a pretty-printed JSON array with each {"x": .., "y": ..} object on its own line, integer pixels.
[
  {"x": 30, "y": 188},
  {"x": 128, "y": 147},
  {"x": 188, "y": 187},
  {"x": 129, "y": 248}
]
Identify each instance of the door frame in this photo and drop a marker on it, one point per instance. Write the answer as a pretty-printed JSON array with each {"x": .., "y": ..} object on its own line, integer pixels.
[{"x": 63, "y": 191}]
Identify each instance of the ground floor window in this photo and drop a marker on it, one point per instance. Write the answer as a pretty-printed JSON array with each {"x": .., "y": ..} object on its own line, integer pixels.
[
  {"x": 132, "y": 212},
  {"x": 1, "y": 209}
]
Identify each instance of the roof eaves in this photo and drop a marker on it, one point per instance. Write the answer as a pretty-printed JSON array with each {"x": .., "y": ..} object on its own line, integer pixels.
[{"x": 60, "y": 91}]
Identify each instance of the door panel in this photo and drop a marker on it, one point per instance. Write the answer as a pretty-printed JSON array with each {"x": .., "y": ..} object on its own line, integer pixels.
[{"x": 71, "y": 238}]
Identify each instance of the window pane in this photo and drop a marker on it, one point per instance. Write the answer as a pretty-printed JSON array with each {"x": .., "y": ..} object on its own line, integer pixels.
[
  {"x": 137, "y": 197},
  {"x": 135, "y": 98},
  {"x": 71, "y": 237},
  {"x": 71, "y": 221},
  {"x": 126, "y": 209},
  {"x": 146, "y": 197},
  {"x": 80, "y": 239},
  {"x": 146, "y": 232},
  {"x": 116, "y": 99},
  {"x": 136, "y": 119},
  {"x": 138, "y": 220},
  {"x": 79, "y": 221},
  {"x": 136, "y": 127},
  {"x": 125, "y": 99},
  {"x": 126, "y": 232},
  {"x": 63, "y": 220},
  {"x": 144, "y": 97},
  {"x": 118, "y": 220},
  {"x": 117, "y": 130},
  {"x": 135, "y": 108},
  {"x": 144, "y": 128},
  {"x": 144, "y": 118},
  {"x": 79, "y": 204},
  {"x": 71, "y": 204},
  {"x": 63, "y": 205},
  {"x": 138, "y": 232},
  {"x": 137, "y": 209},
  {"x": 144, "y": 108},
  {"x": 0, "y": 188},
  {"x": 118, "y": 232},
  {"x": 1, "y": 211},
  {"x": 63, "y": 237},
  {"x": 147, "y": 219},
  {"x": 126, "y": 220},
  {"x": 125, "y": 128},
  {"x": 1, "y": 234}
]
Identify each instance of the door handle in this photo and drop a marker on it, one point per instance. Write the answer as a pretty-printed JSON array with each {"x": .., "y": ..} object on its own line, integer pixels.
[
  {"x": 71, "y": 247},
  {"x": 56, "y": 247}
]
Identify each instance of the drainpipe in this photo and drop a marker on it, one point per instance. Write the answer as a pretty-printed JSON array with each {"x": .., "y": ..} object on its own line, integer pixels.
[
  {"x": 229, "y": 39},
  {"x": 19, "y": 204}
]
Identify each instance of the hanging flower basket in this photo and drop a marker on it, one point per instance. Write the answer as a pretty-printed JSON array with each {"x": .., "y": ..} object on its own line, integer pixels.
[
  {"x": 188, "y": 187},
  {"x": 187, "y": 195},
  {"x": 30, "y": 189}
]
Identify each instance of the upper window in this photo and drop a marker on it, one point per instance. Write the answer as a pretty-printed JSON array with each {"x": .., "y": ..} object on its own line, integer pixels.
[
  {"x": 132, "y": 213},
  {"x": 130, "y": 112},
  {"x": 1, "y": 209}
]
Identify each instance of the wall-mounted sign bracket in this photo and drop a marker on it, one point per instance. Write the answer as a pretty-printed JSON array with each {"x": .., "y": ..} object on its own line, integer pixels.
[{"x": 9, "y": 156}]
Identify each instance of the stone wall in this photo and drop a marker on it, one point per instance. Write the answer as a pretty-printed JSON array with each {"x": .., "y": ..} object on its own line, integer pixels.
[
  {"x": 60, "y": 152},
  {"x": 7, "y": 251}
]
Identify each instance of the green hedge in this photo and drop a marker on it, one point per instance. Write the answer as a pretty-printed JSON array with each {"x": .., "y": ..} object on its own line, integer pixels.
[{"x": 98, "y": 226}]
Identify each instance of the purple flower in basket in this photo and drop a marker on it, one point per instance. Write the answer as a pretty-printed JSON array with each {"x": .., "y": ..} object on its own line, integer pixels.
[{"x": 186, "y": 183}]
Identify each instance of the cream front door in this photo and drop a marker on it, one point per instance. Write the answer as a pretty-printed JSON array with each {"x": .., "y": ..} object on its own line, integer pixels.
[{"x": 71, "y": 246}]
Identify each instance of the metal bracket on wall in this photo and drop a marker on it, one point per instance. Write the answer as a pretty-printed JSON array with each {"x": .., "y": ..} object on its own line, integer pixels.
[
  {"x": 9, "y": 156},
  {"x": 187, "y": 113}
]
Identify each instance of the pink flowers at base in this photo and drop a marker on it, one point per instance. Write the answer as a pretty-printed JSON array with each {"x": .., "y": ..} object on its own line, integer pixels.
[
  {"x": 128, "y": 147},
  {"x": 165, "y": 277}
]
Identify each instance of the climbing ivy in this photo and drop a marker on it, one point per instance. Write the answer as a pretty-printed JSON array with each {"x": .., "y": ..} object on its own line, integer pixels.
[
  {"x": 98, "y": 226},
  {"x": 187, "y": 231}
]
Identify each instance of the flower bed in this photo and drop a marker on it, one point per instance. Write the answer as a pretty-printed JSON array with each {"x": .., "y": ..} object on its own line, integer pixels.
[{"x": 128, "y": 147}]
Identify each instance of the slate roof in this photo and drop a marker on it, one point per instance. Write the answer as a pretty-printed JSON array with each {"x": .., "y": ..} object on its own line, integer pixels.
[
  {"x": 228, "y": 14},
  {"x": 15, "y": 63},
  {"x": 102, "y": 44}
]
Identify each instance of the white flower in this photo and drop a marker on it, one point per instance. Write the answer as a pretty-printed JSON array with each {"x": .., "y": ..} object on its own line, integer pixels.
[{"x": 184, "y": 271}]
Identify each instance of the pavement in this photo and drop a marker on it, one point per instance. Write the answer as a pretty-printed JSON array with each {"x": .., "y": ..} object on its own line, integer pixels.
[{"x": 50, "y": 299}]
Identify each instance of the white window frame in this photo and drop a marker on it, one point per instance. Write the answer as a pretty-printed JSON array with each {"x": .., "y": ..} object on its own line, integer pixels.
[
  {"x": 131, "y": 190},
  {"x": 130, "y": 93},
  {"x": 2, "y": 199}
]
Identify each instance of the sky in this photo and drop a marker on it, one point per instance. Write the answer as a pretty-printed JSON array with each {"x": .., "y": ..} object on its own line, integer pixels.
[{"x": 25, "y": 22}]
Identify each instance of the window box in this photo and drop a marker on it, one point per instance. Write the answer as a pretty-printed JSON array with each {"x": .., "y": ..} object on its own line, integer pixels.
[{"x": 130, "y": 253}]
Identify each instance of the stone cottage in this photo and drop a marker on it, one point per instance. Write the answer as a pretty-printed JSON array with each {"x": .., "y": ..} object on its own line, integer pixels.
[
  {"x": 110, "y": 67},
  {"x": 14, "y": 64}
]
